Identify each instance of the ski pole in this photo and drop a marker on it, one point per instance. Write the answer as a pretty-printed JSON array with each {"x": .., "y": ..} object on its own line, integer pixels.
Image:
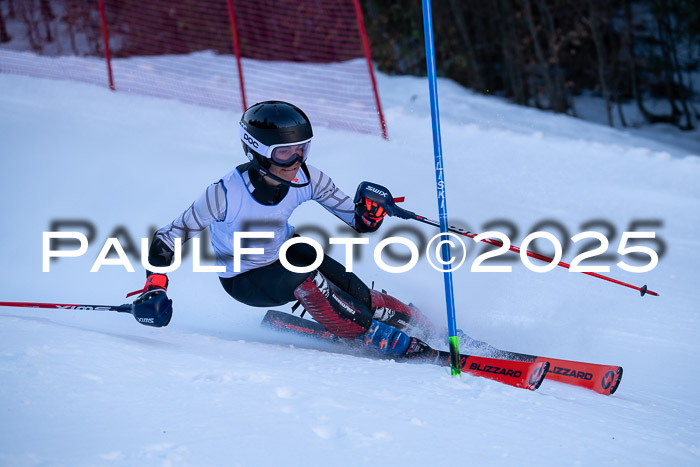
[
  {"x": 389, "y": 205},
  {"x": 440, "y": 184},
  {"x": 126, "y": 308}
]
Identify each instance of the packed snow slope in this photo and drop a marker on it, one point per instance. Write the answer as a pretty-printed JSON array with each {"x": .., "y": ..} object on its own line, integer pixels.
[{"x": 213, "y": 388}]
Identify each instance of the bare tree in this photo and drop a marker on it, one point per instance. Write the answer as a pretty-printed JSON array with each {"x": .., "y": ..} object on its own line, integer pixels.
[
  {"x": 556, "y": 102},
  {"x": 474, "y": 68},
  {"x": 635, "y": 77},
  {"x": 677, "y": 73},
  {"x": 71, "y": 19},
  {"x": 593, "y": 23},
  {"x": 554, "y": 41},
  {"x": 514, "y": 76},
  {"x": 48, "y": 16},
  {"x": 27, "y": 12},
  {"x": 4, "y": 36}
]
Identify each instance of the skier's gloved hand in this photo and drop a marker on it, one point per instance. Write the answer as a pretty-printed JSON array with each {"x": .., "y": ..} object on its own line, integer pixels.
[
  {"x": 153, "y": 308},
  {"x": 370, "y": 213},
  {"x": 154, "y": 281}
]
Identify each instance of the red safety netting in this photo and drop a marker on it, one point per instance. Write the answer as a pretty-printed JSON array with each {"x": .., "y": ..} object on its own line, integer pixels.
[
  {"x": 310, "y": 53},
  {"x": 63, "y": 40},
  {"x": 180, "y": 50}
]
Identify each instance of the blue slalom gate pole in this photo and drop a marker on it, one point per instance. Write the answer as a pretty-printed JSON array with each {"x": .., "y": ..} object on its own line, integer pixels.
[{"x": 440, "y": 180}]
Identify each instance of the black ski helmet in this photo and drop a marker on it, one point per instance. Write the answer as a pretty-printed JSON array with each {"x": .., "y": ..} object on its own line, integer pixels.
[{"x": 270, "y": 124}]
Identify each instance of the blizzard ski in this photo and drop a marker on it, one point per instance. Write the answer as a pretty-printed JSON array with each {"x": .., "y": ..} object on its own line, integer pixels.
[
  {"x": 518, "y": 373},
  {"x": 603, "y": 379}
]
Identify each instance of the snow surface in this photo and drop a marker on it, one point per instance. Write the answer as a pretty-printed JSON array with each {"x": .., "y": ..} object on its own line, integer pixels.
[{"x": 213, "y": 388}]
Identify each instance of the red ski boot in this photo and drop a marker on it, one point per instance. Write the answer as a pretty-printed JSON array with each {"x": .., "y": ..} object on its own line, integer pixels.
[{"x": 394, "y": 312}]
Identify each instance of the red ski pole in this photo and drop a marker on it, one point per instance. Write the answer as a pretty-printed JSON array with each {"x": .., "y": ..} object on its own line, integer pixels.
[
  {"x": 492, "y": 241},
  {"x": 126, "y": 308},
  {"x": 383, "y": 197},
  {"x": 155, "y": 309}
]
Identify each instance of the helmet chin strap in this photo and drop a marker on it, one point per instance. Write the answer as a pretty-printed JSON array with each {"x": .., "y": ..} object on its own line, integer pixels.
[{"x": 266, "y": 173}]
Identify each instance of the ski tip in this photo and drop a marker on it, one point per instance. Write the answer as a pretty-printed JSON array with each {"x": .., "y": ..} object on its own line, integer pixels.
[
  {"x": 538, "y": 376},
  {"x": 618, "y": 380},
  {"x": 609, "y": 382}
]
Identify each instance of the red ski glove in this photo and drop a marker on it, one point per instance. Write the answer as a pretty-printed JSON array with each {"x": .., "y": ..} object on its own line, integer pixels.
[
  {"x": 370, "y": 212},
  {"x": 153, "y": 281}
]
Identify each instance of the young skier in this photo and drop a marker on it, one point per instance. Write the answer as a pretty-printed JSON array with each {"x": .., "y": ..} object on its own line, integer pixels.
[{"x": 261, "y": 196}]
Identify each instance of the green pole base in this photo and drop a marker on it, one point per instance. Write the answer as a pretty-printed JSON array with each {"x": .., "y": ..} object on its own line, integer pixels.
[{"x": 455, "y": 361}]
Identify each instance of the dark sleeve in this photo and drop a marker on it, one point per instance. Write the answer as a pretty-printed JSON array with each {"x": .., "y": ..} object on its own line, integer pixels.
[{"x": 160, "y": 254}]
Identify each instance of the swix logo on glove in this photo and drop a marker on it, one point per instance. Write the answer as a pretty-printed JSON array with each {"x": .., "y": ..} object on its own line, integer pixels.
[{"x": 377, "y": 190}]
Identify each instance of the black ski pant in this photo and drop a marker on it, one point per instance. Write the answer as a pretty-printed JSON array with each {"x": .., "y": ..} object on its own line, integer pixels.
[{"x": 274, "y": 285}]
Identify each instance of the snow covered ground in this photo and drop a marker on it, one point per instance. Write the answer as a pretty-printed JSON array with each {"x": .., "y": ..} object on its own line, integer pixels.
[{"x": 213, "y": 388}]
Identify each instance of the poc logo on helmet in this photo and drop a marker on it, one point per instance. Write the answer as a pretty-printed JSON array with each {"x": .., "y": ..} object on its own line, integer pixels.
[{"x": 249, "y": 139}]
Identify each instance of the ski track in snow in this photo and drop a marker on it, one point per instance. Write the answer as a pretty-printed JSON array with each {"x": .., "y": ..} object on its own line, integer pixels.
[{"x": 213, "y": 388}]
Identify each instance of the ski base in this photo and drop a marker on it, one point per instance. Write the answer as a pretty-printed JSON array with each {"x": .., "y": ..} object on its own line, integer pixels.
[{"x": 517, "y": 373}]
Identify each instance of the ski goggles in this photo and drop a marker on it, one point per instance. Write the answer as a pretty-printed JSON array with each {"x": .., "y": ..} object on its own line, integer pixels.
[{"x": 282, "y": 155}]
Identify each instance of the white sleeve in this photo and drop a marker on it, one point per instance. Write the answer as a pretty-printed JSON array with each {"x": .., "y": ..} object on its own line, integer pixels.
[
  {"x": 331, "y": 197},
  {"x": 208, "y": 208}
]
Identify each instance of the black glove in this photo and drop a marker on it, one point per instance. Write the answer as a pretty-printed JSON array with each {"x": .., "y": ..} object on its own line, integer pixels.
[
  {"x": 153, "y": 307},
  {"x": 369, "y": 213}
]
